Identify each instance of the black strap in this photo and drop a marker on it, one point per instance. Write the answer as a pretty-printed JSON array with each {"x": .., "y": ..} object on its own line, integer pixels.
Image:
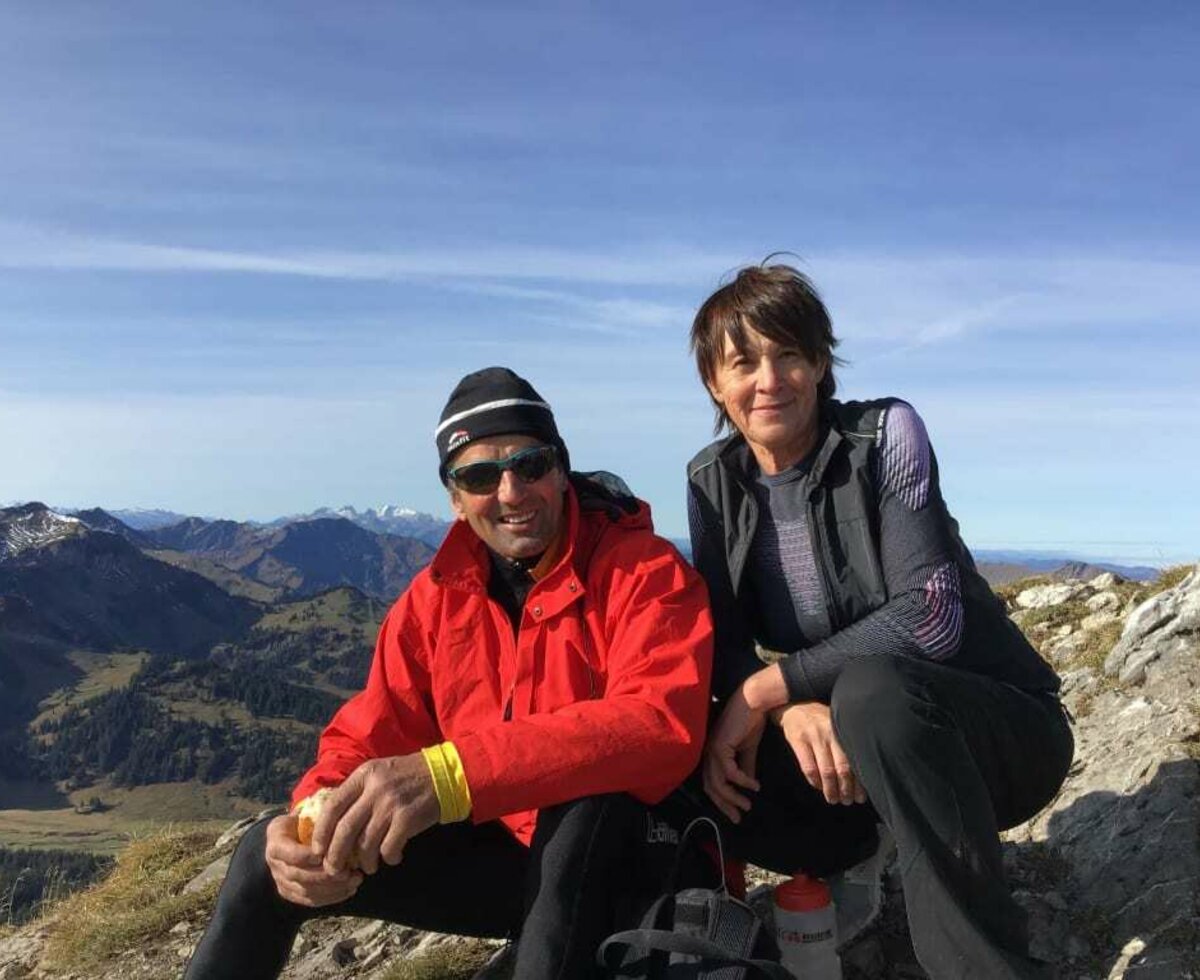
[
  {"x": 689, "y": 841},
  {"x": 675, "y": 942}
]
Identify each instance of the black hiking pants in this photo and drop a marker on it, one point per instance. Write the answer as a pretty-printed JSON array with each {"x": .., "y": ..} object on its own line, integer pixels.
[
  {"x": 591, "y": 867},
  {"x": 948, "y": 759}
]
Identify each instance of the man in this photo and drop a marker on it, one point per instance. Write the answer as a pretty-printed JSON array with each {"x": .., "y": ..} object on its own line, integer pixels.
[{"x": 535, "y": 687}]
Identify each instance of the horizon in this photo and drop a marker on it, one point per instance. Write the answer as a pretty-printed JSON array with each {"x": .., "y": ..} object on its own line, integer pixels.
[
  {"x": 1089, "y": 552},
  {"x": 245, "y": 254}
]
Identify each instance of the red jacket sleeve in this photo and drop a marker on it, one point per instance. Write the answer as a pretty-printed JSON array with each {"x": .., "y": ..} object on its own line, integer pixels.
[
  {"x": 644, "y": 732},
  {"x": 392, "y": 715}
]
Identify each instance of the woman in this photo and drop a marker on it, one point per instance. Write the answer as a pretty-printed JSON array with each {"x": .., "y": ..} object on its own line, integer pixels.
[{"x": 863, "y": 667}]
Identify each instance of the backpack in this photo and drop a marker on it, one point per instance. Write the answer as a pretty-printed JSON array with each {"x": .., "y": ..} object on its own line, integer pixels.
[{"x": 694, "y": 933}]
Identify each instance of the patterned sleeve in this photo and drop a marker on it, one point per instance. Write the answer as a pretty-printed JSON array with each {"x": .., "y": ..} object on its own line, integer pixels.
[{"x": 923, "y": 616}]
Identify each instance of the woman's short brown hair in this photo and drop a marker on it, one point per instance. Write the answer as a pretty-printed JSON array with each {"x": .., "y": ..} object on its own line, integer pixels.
[{"x": 778, "y": 301}]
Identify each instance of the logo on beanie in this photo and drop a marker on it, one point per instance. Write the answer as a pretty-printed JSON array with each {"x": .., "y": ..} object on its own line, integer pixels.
[{"x": 457, "y": 438}]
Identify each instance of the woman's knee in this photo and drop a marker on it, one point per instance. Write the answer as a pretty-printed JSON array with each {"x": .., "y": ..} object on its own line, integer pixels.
[{"x": 877, "y": 698}]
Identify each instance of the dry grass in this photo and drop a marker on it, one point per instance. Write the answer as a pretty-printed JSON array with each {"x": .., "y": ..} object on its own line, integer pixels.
[
  {"x": 136, "y": 904},
  {"x": 457, "y": 962},
  {"x": 1168, "y": 578}
]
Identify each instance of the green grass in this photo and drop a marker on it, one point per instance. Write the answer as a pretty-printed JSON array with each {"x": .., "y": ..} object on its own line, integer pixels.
[
  {"x": 129, "y": 813},
  {"x": 102, "y": 672},
  {"x": 343, "y": 607}
]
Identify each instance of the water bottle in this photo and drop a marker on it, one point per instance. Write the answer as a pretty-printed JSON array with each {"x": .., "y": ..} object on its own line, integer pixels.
[{"x": 806, "y": 929}]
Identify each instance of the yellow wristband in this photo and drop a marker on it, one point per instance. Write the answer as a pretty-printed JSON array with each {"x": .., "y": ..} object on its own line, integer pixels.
[{"x": 449, "y": 781}]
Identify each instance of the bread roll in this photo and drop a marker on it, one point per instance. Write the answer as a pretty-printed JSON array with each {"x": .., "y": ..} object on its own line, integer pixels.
[{"x": 306, "y": 818}]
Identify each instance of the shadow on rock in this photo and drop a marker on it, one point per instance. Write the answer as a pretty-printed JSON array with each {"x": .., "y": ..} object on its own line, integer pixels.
[{"x": 1112, "y": 890}]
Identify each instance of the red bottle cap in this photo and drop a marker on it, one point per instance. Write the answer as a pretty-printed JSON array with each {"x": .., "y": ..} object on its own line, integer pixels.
[{"x": 802, "y": 894}]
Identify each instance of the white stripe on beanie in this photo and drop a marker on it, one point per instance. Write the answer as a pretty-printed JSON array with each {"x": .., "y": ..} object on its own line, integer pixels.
[{"x": 487, "y": 407}]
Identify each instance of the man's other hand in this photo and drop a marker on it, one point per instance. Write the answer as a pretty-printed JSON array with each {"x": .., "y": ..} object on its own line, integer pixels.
[
  {"x": 380, "y": 806},
  {"x": 731, "y": 755},
  {"x": 299, "y": 875}
]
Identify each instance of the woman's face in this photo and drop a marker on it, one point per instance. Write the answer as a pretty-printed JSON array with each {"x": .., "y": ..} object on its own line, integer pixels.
[{"x": 769, "y": 391}]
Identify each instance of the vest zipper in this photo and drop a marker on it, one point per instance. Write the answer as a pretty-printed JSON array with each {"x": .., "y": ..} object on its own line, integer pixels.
[{"x": 820, "y": 553}]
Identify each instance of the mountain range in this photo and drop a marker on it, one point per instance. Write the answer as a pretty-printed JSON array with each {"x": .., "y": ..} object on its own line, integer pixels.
[{"x": 387, "y": 519}]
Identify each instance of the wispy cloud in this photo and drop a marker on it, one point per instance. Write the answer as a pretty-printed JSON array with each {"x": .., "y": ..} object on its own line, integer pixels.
[
  {"x": 31, "y": 248},
  {"x": 922, "y": 299}
]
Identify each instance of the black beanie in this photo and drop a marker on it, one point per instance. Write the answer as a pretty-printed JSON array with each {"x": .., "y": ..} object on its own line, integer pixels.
[{"x": 494, "y": 402}]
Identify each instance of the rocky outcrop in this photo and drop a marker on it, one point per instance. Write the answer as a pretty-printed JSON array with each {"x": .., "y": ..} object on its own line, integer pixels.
[{"x": 1110, "y": 872}]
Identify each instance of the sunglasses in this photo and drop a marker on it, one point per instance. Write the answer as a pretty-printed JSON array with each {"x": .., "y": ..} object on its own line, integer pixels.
[{"x": 529, "y": 465}]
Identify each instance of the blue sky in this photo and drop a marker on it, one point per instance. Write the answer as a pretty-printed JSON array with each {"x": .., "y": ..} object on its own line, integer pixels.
[{"x": 247, "y": 249}]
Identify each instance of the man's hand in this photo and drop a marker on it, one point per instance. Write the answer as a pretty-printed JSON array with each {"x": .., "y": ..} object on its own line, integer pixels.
[
  {"x": 382, "y": 804},
  {"x": 299, "y": 876},
  {"x": 730, "y": 755},
  {"x": 808, "y": 728}
]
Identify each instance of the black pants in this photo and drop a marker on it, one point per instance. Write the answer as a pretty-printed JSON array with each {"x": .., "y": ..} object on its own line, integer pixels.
[
  {"x": 948, "y": 759},
  {"x": 587, "y": 873}
]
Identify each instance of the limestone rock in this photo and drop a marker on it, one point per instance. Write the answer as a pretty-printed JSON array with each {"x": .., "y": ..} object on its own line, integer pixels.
[
  {"x": 1105, "y": 580},
  {"x": 1095, "y": 620},
  {"x": 1103, "y": 602},
  {"x": 1163, "y": 628},
  {"x": 1054, "y": 594},
  {"x": 214, "y": 872},
  {"x": 1121, "y": 842}
]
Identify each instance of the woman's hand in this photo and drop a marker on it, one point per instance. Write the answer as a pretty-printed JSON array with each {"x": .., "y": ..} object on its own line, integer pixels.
[
  {"x": 808, "y": 728},
  {"x": 730, "y": 755}
]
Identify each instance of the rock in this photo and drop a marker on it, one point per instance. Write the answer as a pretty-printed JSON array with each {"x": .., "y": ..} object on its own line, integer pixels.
[
  {"x": 1061, "y": 651},
  {"x": 1103, "y": 601},
  {"x": 371, "y": 932},
  {"x": 214, "y": 872},
  {"x": 19, "y": 953},
  {"x": 1165, "y": 626},
  {"x": 343, "y": 952},
  {"x": 1049, "y": 927},
  {"x": 1054, "y": 594},
  {"x": 1104, "y": 581},
  {"x": 1096, "y": 620},
  {"x": 1122, "y": 840},
  {"x": 1065, "y": 630},
  {"x": 234, "y": 833},
  {"x": 1079, "y": 682}
]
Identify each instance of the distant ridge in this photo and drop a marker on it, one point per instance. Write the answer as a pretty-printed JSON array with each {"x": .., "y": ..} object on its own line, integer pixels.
[
  {"x": 76, "y": 585},
  {"x": 388, "y": 519},
  {"x": 1059, "y": 564}
]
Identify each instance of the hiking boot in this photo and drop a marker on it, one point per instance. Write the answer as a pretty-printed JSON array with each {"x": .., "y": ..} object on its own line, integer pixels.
[{"x": 858, "y": 891}]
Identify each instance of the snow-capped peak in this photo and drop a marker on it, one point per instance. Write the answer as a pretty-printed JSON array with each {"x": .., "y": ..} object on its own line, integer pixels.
[{"x": 33, "y": 526}]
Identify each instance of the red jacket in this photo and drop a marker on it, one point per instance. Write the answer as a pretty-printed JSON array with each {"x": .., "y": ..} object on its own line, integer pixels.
[{"x": 608, "y": 678}]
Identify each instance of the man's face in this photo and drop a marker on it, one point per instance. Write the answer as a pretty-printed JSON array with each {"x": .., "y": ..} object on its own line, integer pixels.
[{"x": 518, "y": 519}]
